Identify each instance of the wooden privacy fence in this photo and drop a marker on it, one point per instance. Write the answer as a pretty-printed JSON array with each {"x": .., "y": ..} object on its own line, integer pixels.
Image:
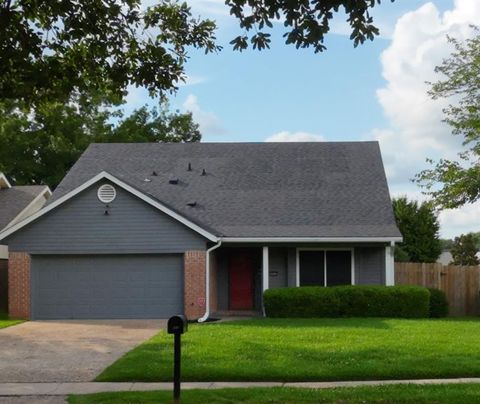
[{"x": 461, "y": 284}]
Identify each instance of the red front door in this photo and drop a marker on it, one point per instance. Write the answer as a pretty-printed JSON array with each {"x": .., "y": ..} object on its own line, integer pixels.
[{"x": 241, "y": 282}]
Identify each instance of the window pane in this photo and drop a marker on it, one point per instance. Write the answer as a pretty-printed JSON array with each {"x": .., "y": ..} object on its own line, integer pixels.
[
  {"x": 339, "y": 268},
  {"x": 311, "y": 268}
]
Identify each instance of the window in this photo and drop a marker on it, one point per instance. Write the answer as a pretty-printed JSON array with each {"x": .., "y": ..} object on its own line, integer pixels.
[{"x": 325, "y": 267}]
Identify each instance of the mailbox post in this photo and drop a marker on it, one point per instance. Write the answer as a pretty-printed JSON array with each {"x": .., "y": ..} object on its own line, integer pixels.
[{"x": 177, "y": 325}]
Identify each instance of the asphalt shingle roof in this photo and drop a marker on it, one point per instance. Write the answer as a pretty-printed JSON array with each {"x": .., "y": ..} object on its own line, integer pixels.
[
  {"x": 13, "y": 200},
  {"x": 321, "y": 189}
]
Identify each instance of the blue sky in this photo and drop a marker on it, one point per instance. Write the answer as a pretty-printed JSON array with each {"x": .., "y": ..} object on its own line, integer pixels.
[{"x": 373, "y": 92}]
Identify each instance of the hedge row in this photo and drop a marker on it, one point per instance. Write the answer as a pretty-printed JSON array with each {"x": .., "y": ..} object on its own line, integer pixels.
[
  {"x": 438, "y": 303},
  {"x": 354, "y": 301}
]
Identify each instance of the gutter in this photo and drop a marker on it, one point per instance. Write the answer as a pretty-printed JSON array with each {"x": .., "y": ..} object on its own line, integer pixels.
[{"x": 207, "y": 283}]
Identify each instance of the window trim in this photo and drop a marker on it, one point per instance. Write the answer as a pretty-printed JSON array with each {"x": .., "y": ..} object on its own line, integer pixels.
[{"x": 325, "y": 249}]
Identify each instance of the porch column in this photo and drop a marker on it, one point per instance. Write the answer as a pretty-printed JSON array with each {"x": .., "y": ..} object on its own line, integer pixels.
[
  {"x": 389, "y": 265},
  {"x": 265, "y": 274},
  {"x": 265, "y": 269}
]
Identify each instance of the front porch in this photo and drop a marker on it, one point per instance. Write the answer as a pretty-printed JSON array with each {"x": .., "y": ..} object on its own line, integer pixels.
[{"x": 240, "y": 273}]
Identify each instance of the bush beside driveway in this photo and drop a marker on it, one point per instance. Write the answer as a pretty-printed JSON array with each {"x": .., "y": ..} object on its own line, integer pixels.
[{"x": 310, "y": 350}]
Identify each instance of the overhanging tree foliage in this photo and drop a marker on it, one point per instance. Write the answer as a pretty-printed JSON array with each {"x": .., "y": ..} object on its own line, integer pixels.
[
  {"x": 419, "y": 226},
  {"x": 452, "y": 184},
  {"x": 50, "y": 49},
  {"x": 306, "y": 22}
]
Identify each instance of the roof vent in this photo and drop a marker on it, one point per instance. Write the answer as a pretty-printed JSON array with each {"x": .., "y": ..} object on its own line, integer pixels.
[
  {"x": 106, "y": 193},
  {"x": 173, "y": 180},
  {"x": 192, "y": 204}
]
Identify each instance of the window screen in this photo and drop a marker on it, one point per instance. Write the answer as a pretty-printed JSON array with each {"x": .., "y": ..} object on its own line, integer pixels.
[
  {"x": 339, "y": 268},
  {"x": 312, "y": 268}
]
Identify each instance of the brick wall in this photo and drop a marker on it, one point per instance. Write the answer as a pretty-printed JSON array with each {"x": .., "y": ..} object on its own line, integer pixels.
[
  {"x": 213, "y": 282},
  {"x": 194, "y": 284},
  {"x": 3, "y": 285},
  {"x": 19, "y": 285}
]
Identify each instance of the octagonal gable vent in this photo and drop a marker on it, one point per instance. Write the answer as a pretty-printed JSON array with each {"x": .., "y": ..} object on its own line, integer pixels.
[{"x": 106, "y": 193}]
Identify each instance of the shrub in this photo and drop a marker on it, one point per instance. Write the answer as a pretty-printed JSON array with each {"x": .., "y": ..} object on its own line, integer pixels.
[
  {"x": 348, "y": 301},
  {"x": 438, "y": 303}
]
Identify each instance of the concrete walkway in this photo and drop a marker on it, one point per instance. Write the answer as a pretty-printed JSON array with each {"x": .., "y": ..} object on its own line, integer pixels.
[{"x": 63, "y": 389}]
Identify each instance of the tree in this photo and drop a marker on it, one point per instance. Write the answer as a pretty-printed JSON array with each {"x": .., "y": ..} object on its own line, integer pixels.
[
  {"x": 307, "y": 21},
  {"x": 419, "y": 226},
  {"x": 464, "y": 250},
  {"x": 452, "y": 184},
  {"x": 39, "y": 146},
  {"x": 51, "y": 49}
]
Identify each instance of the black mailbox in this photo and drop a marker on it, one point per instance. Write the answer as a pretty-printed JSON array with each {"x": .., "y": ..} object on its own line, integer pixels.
[{"x": 177, "y": 324}]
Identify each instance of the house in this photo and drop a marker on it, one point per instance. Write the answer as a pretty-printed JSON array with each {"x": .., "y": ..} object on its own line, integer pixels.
[
  {"x": 150, "y": 230},
  {"x": 16, "y": 203}
]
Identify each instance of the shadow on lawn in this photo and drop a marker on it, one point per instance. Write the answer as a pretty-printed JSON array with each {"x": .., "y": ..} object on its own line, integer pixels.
[{"x": 376, "y": 323}]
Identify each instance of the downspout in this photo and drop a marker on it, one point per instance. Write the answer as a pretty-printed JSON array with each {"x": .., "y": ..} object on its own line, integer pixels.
[{"x": 207, "y": 282}]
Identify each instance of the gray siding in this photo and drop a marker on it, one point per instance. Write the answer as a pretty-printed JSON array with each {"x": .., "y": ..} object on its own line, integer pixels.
[
  {"x": 278, "y": 262},
  {"x": 81, "y": 226},
  {"x": 3, "y": 285},
  {"x": 292, "y": 267},
  {"x": 370, "y": 265}
]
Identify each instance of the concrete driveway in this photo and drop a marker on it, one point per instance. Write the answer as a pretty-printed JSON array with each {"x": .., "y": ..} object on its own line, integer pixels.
[{"x": 68, "y": 351}]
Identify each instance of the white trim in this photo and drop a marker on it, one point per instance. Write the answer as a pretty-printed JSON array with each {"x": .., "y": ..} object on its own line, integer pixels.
[
  {"x": 310, "y": 239},
  {"x": 389, "y": 265},
  {"x": 265, "y": 268},
  {"x": 265, "y": 273},
  {"x": 126, "y": 187},
  {"x": 325, "y": 249},
  {"x": 4, "y": 180},
  {"x": 46, "y": 193},
  {"x": 297, "y": 270},
  {"x": 207, "y": 283},
  {"x": 353, "y": 266}
]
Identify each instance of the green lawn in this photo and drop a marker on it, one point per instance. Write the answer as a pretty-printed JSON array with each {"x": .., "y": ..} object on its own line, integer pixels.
[
  {"x": 6, "y": 322},
  {"x": 458, "y": 393},
  {"x": 309, "y": 349}
]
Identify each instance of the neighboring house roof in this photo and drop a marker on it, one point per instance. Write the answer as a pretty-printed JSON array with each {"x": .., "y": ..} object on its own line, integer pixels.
[
  {"x": 254, "y": 190},
  {"x": 15, "y": 201}
]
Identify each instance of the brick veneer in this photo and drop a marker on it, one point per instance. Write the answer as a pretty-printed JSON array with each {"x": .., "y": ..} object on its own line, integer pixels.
[
  {"x": 194, "y": 284},
  {"x": 213, "y": 282},
  {"x": 19, "y": 285}
]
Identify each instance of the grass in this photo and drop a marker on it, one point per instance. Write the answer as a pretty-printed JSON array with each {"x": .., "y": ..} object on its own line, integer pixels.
[
  {"x": 309, "y": 350},
  {"x": 453, "y": 393},
  {"x": 6, "y": 322}
]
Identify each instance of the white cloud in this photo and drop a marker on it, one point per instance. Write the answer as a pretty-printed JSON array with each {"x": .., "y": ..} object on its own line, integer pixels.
[
  {"x": 208, "y": 121},
  {"x": 286, "y": 136},
  {"x": 191, "y": 80},
  {"x": 457, "y": 221},
  {"x": 416, "y": 130}
]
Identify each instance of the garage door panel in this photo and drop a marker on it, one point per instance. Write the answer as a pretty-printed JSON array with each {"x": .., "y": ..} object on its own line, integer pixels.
[{"x": 89, "y": 287}]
